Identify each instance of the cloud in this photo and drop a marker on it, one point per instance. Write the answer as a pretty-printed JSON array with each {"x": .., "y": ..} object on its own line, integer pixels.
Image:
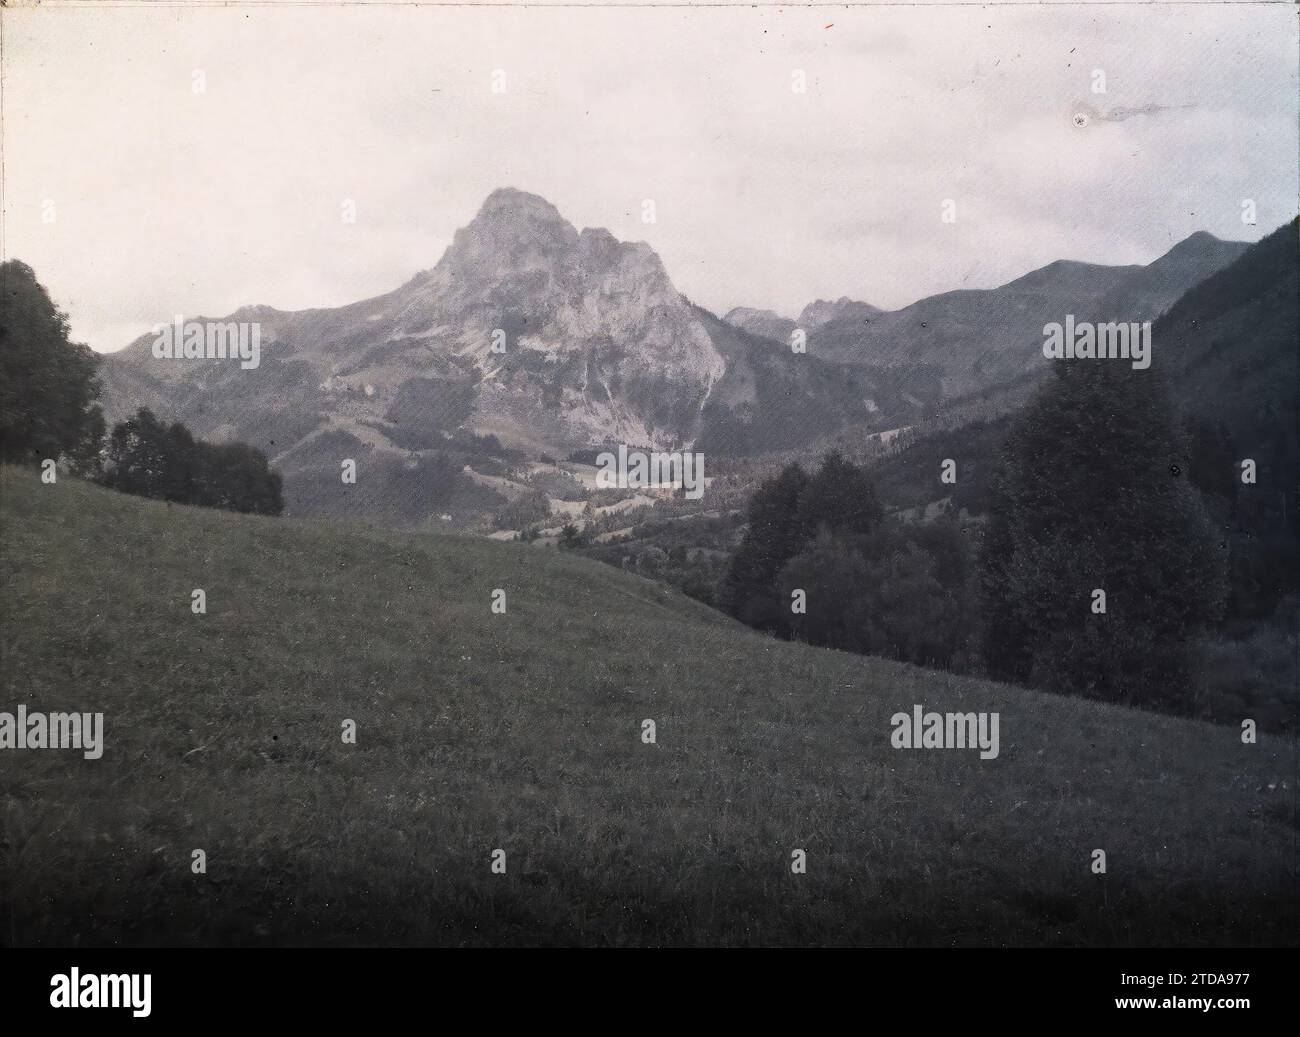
[{"x": 173, "y": 201}]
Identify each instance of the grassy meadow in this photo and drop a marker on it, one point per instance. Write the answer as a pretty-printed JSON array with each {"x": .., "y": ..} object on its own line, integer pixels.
[{"x": 522, "y": 731}]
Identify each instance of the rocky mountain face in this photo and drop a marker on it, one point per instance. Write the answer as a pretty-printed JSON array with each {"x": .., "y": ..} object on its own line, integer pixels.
[
  {"x": 528, "y": 331},
  {"x": 767, "y": 324},
  {"x": 821, "y": 312},
  {"x": 526, "y": 328}
]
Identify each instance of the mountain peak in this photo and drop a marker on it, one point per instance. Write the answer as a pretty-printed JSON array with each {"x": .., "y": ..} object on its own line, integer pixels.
[
  {"x": 509, "y": 212},
  {"x": 505, "y": 200},
  {"x": 763, "y": 323},
  {"x": 1202, "y": 243},
  {"x": 822, "y": 311},
  {"x": 1200, "y": 237},
  {"x": 512, "y": 231}
]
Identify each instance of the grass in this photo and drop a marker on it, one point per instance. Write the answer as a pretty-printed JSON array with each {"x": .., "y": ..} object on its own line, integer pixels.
[{"x": 522, "y": 732}]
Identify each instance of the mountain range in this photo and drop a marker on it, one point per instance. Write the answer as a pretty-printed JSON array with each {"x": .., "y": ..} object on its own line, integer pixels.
[
  {"x": 531, "y": 336},
  {"x": 813, "y": 316},
  {"x": 1225, "y": 352},
  {"x": 976, "y": 338}
]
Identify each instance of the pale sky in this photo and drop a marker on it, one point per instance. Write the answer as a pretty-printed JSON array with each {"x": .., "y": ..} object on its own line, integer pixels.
[{"x": 170, "y": 201}]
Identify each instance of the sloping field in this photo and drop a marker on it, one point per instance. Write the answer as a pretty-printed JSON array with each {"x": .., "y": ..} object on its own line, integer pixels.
[{"x": 522, "y": 731}]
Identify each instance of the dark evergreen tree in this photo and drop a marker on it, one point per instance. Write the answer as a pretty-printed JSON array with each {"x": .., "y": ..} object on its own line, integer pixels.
[
  {"x": 1094, "y": 495},
  {"x": 776, "y": 533},
  {"x": 841, "y": 498}
]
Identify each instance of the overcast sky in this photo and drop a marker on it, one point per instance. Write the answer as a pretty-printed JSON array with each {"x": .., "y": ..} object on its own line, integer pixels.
[{"x": 170, "y": 201}]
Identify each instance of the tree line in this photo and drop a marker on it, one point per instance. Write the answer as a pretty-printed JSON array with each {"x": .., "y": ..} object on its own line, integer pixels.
[
  {"x": 1095, "y": 491},
  {"x": 49, "y": 410}
]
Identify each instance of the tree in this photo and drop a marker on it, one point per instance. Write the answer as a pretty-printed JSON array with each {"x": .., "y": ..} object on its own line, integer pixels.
[
  {"x": 47, "y": 383},
  {"x": 774, "y": 536},
  {"x": 832, "y": 574},
  {"x": 523, "y": 511},
  {"x": 150, "y": 459},
  {"x": 1094, "y": 495},
  {"x": 876, "y": 595},
  {"x": 841, "y": 498},
  {"x": 236, "y": 477},
  {"x": 140, "y": 460},
  {"x": 868, "y": 585},
  {"x": 785, "y": 514},
  {"x": 651, "y": 562}
]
